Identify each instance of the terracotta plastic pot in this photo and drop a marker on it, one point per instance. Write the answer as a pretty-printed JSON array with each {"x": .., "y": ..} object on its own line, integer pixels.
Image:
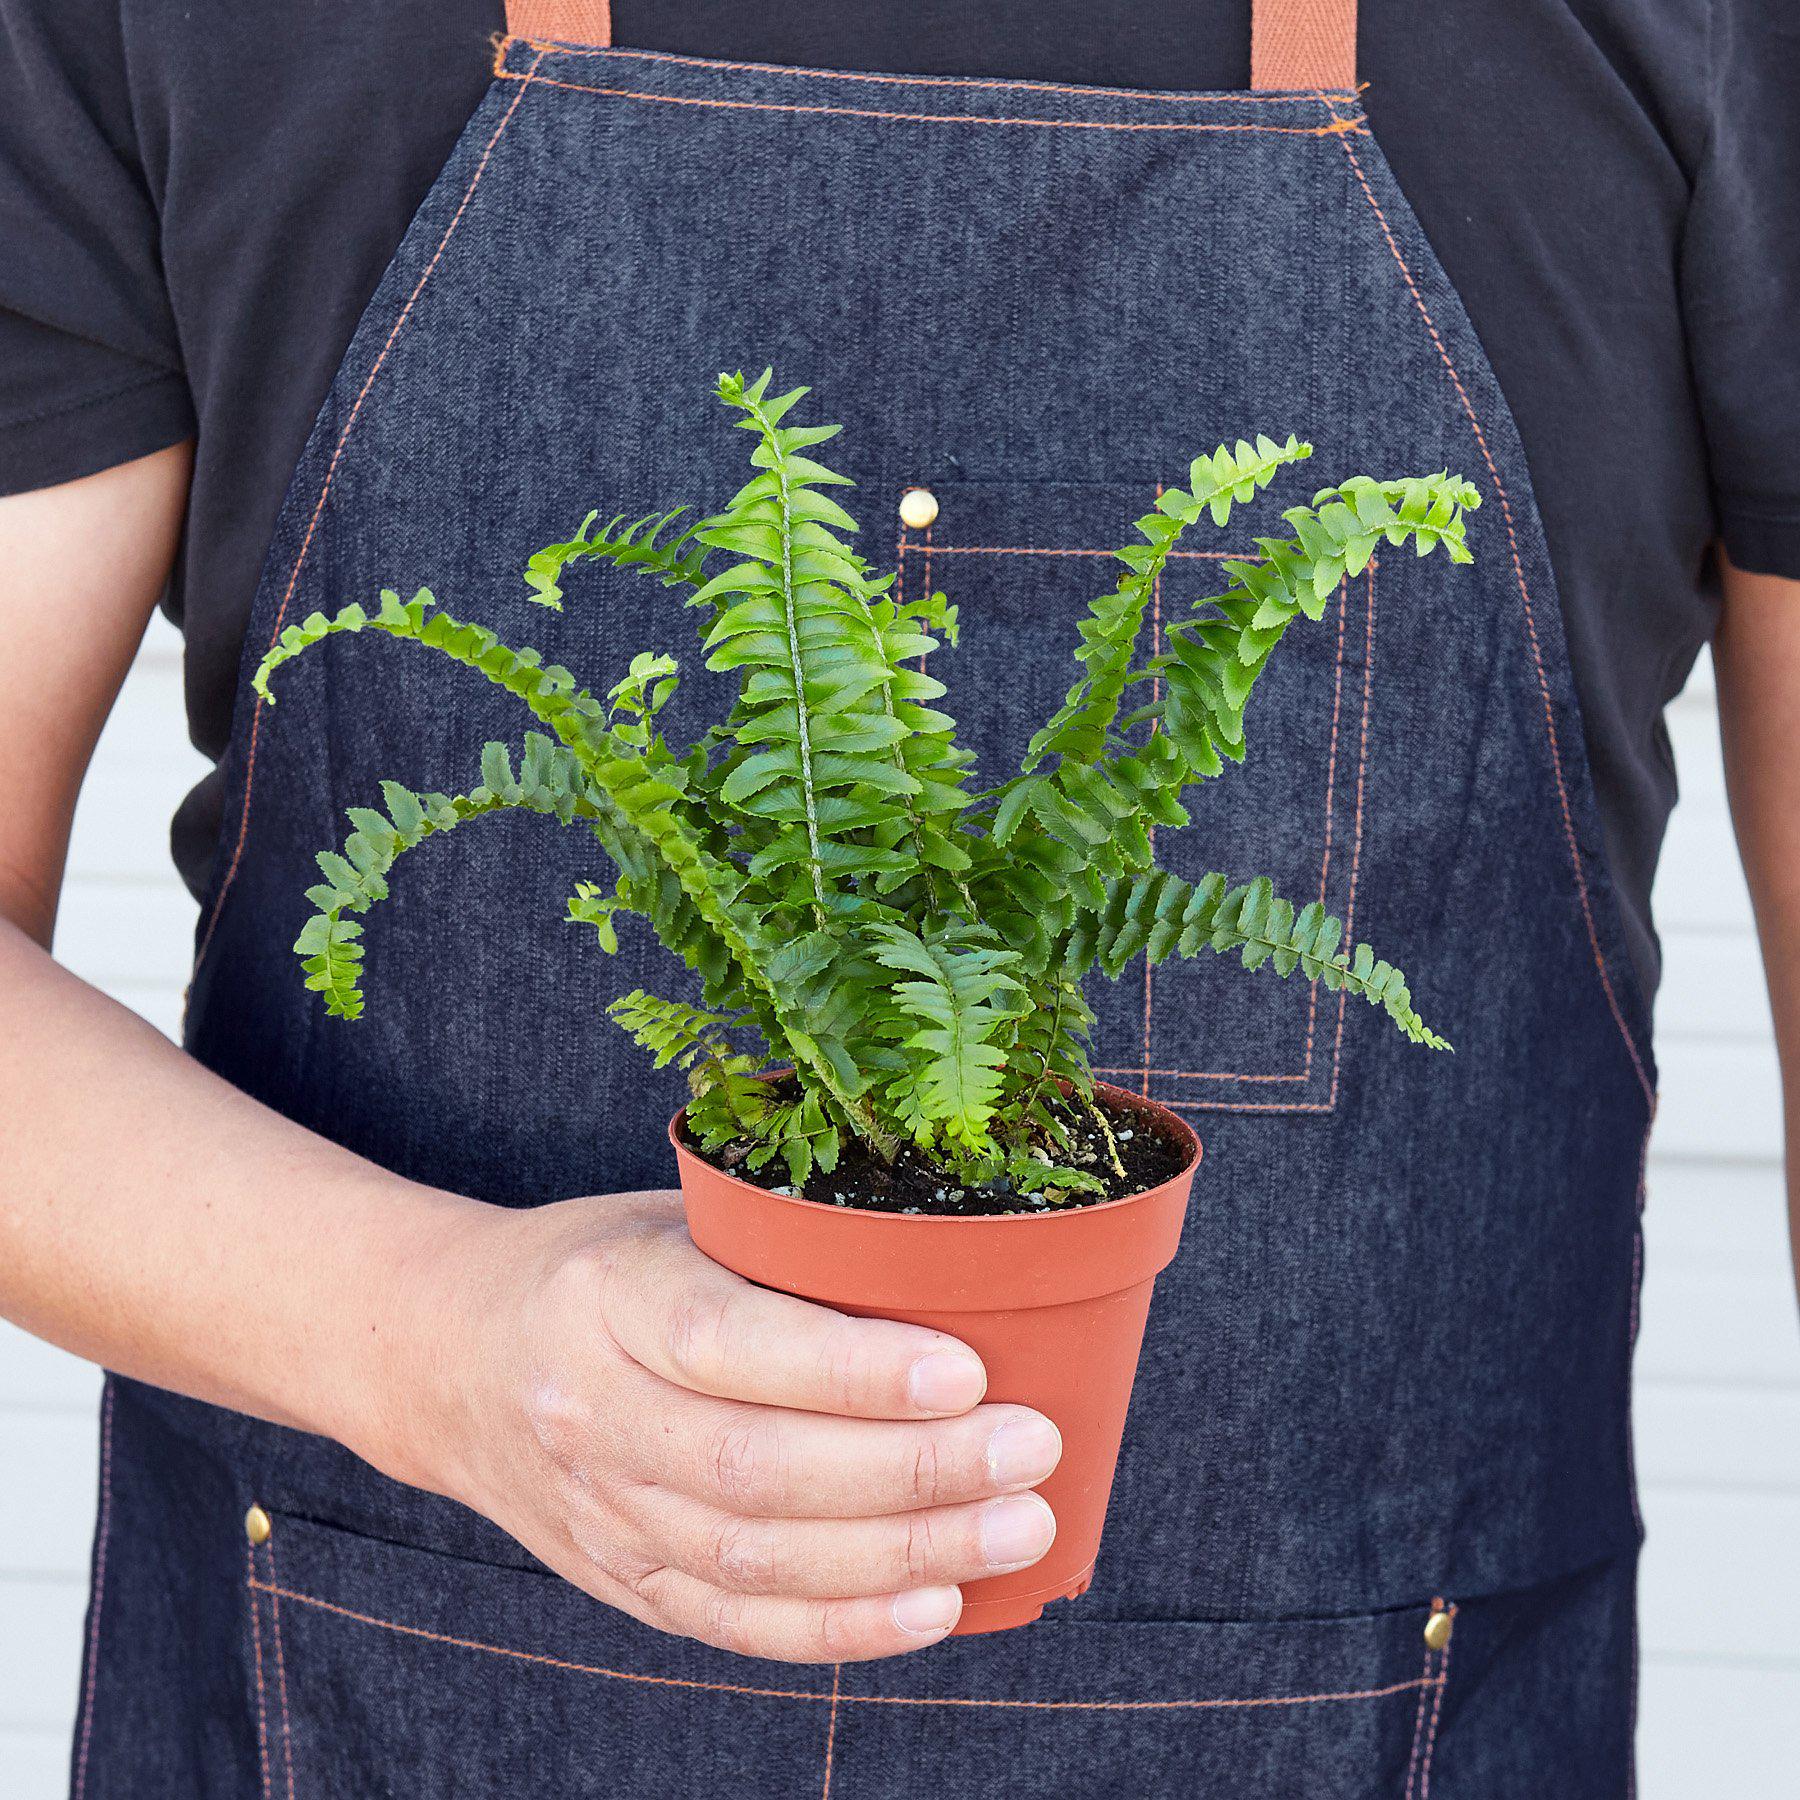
[{"x": 1054, "y": 1304}]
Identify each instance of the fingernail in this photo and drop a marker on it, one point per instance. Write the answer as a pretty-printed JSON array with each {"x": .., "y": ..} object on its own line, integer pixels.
[
  {"x": 947, "y": 1381},
  {"x": 928, "y": 1612},
  {"x": 1016, "y": 1532},
  {"x": 1023, "y": 1451}
]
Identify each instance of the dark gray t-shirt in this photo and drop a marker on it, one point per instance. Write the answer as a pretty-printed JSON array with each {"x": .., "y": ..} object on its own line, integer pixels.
[{"x": 196, "y": 202}]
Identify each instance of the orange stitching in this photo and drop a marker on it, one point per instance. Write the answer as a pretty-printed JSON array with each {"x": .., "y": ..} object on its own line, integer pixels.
[
  {"x": 262, "y": 1710},
  {"x": 1537, "y": 655},
  {"x": 923, "y": 653},
  {"x": 552, "y": 1662},
  {"x": 1437, "y": 1707},
  {"x": 103, "y": 1532},
  {"x": 287, "y": 1741},
  {"x": 1419, "y": 1732},
  {"x": 825, "y": 1695},
  {"x": 1194, "y": 1074},
  {"x": 1289, "y": 98},
  {"x": 837, "y": 1671},
  {"x": 1412, "y": 1764},
  {"x": 1339, "y": 128},
  {"x": 1248, "y": 1106},
  {"x": 237, "y": 853},
  {"x": 1337, "y": 697}
]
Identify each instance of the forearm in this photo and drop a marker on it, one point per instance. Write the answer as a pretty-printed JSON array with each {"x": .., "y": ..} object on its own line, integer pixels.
[
  {"x": 1757, "y": 654},
  {"x": 156, "y": 1220}
]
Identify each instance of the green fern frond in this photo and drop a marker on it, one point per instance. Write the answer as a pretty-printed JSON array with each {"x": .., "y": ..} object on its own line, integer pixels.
[
  {"x": 730, "y": 1102},
  {"x": 1035, "y": 1172},
  {"x": 814, "y": 722},
  {"x": 1110, "y": 631},
  {"x": 959, "y": 1004},
  {"x": 928, "y": 800},
  {"x": 636, "y": 544},
  {"x": 1049, "y": 1049},
  {"x": 329, "y": 946},
  {"x": 589, "y": 906},
  {"x": 1212, "y": 660},
  {"x": 802, "y": 1133},
  {"x": 671, "y": 1030},
  {"x": 548, "y": 689},
  {"x": 932, "y": 612},
  {"x": 1160, "y": 915},
  {"x": 651, "y": 803},
  {"x": 1098, "y": 813}
]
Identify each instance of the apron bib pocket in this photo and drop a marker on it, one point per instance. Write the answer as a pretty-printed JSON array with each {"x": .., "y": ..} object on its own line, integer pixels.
[{"x": 1021, "y": 561}]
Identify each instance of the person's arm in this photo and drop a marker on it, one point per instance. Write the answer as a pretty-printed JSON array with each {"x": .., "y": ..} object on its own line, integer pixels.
[
  {"x": 1757, "y": 655},
  {"x": 724, "y": 1462}
]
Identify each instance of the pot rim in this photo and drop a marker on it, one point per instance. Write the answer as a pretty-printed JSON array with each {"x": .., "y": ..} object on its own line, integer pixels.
[{"x": 1132, "y": 1102}]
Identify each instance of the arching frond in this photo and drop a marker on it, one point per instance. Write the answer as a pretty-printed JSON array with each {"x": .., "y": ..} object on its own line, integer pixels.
[
  {"x": 1160, "y": 915},
  {"x": 548, "y": 781},
  {"x": 637, "y": 544}
]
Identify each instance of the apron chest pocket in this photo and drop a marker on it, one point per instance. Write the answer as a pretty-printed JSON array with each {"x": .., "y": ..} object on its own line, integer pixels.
[{"x": 1021, "y": 561}]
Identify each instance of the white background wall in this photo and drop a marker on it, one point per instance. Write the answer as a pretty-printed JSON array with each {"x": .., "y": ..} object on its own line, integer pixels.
[{"x": 1718, "y": 1366}]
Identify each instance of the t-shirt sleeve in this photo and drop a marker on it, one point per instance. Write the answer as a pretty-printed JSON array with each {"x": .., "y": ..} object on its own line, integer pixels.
[
  {"x": 90, "y": 372},
  {"x": 1741, "y": 283}
]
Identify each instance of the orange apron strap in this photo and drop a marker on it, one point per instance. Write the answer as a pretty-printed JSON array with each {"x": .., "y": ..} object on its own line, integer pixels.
[
  {"x": 1303, "y": 44},
  {"x": 561, "y": 21}
]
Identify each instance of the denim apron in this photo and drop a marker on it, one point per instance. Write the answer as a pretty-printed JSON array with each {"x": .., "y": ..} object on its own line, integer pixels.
[{"x": 1374, "y": 1529}]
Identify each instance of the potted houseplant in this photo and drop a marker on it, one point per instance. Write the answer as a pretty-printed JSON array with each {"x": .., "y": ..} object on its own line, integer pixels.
[{"x": 892, "y": 1109}]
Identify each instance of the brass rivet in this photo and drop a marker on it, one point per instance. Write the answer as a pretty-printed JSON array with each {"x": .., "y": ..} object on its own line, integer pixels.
[
  {"x": 1438, "y": 1628},
  {"x": 918, "y": 507},
  {"x": 257, "y": 1525}
]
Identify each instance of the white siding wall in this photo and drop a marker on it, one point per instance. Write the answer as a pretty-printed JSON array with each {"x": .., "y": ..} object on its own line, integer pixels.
[{"x": 1718, "y": 1368}]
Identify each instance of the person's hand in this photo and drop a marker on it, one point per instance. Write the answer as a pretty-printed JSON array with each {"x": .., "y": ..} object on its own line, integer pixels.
[{"x": 726, "y": 1463}]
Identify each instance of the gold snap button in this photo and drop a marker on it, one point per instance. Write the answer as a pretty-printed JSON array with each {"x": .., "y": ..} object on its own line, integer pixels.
[
  {"x": 1438, "y": 1628},
  {"x": 918, "y": 507},
  {"x": 257, "y": 1525}
]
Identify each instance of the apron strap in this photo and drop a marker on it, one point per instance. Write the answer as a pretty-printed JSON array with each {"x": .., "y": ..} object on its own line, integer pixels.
[
  {"x": 561, "y": 21},
  {"x": 1303, "y": 44},
  {"x": 1293, "y": 43}
]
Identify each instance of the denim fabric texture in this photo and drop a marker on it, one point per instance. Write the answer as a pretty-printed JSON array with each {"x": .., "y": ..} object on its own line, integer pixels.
[{"x": 1390, "y": 1365}]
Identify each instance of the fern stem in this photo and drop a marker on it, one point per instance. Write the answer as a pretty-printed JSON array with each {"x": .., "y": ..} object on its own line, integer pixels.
[
  {"x": 1051, "y": 1040},
  {"x": 769, "y": 435}
]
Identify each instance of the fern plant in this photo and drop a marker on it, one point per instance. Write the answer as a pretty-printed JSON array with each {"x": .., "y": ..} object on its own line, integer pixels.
[{"x": 911, "y": 947}]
